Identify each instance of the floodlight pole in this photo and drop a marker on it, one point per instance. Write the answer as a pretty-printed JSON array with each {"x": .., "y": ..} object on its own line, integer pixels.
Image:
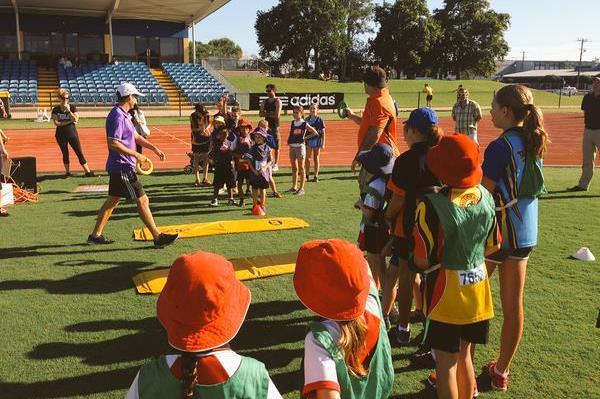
[
  {"x": 110, "y": 35},
  {"x": 19, "y": 42},
  {"x": 580, "y": 59},
  {"x": 193, "y": 43}
]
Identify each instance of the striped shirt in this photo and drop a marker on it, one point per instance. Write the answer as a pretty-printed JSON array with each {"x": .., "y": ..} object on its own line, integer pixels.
[{"x": 466, "y": 117}]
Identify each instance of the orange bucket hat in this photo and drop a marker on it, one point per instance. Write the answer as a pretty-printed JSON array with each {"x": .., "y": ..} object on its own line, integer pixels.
[
  {"x": 456, "y": 161},
  {"x": 202, "y": 305},
  {"x": 331, "y": 279}
]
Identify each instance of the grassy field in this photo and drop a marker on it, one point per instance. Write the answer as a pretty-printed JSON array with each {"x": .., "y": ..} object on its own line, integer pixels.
[
  {"x": 72, "y": 325},
  {"x": 406, "y": 92}
]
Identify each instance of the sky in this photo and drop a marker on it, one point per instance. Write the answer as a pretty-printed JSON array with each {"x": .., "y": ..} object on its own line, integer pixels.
[{"x": 544, "y": 29}]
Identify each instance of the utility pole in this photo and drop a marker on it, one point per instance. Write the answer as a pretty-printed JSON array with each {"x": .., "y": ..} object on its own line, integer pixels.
[
  {"x": 582, "y": 40},
  {"x": 523, "y": 61}
]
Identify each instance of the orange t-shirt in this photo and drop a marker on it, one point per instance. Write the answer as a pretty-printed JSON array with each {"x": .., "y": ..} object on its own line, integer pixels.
[{"x": 379, "y": 107}]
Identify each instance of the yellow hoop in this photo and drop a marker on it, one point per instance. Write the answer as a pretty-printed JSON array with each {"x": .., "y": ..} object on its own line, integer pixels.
[{"x": 144, "y": 168}]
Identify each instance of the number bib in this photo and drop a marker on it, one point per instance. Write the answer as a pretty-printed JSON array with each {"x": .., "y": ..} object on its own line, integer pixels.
[{"x": 458, "y": 296}]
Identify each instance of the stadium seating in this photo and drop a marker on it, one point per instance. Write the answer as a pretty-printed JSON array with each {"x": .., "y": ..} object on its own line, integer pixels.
[
  {"x": 20, "y": 79},
  {"x": 97, "y": 83},
  {"x": 195, "y": 82}
]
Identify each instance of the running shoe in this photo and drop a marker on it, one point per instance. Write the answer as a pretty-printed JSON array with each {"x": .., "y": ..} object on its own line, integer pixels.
[
  {"x": 98, "y": 240},
  {"x": 498, "y": 381},
  {"x": 276, "y": 194},
  {"x": 316, "y": 179},
  {"x": 402, "y": 337},
  {"x": 275, "y": 168},
  {"x": 90, "y": 174},
  {"x": 214, "y": 202},
  {"x": 68, "y": 174},
  {"x": 165, "y": 239},
  {"x": 299, "y": 192},
  {"x": 231, "y": 201},
  {"x": 432, "y": 381},
  {"x": 241, "y": 202},
  {"x": 292, "y": 190},
  {"x": 206, "y": 183}
]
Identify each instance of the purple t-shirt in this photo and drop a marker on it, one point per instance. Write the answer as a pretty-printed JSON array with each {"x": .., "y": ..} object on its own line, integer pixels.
[{"x": 119, "y": 127}]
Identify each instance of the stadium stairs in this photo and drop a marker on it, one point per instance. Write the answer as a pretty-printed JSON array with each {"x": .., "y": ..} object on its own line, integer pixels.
[
  {"x": 173, "y": 93},
  {"x": 47, "y": 86}
]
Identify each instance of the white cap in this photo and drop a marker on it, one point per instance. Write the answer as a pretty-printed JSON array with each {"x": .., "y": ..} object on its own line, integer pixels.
[
  {"x": 584, "y": 254},
  {"x": 127, "y": 89}
]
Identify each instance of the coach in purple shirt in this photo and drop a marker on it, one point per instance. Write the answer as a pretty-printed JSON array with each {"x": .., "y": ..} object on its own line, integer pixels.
[{"x": 122, "y": 139}]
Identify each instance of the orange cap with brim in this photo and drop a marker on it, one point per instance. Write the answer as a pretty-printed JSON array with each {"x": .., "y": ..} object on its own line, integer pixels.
[
  {"x": 202, "y": 305},
  {"x": 456, "y": 161},
  {"x": 331, "y": 279}
]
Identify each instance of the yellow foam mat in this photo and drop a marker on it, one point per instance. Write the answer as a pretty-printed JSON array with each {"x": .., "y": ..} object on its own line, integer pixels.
[
  {"x": 153, "y": 281},
  {"x": 224, "y": 227}
]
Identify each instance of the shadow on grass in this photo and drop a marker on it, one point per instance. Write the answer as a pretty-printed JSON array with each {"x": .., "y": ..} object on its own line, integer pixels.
[
  {"x": 126, "y": 211},
  {"x": 24, "y": 252},
  {"x": 573, "y": 196},
  {"x": 260, "y": 337},
  {"x": 112, "y": 279}
]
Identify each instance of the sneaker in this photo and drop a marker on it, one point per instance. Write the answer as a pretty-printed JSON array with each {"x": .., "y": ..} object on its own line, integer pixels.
[
  {"x": 299, "y": 192},
  {"x": 165, "y": 239},
  {"x": 498, "y": 382},
  {"x": 475, "y": 391},
  {"x": 231, "y": 201},
  {"x": 402, "y": 337},
  {"x": 292, "y": 190},
  {"x": 576, "y": 189},
  {"x": 90, "y": 174},
  {"x": 241, "y": 202},
  {"x": 432, "y": 380},
  {"x": 275, "y": 168},
  {"x": 276, "y": 194},
  {"x": 214, "y": 202},
  {"x": 98, "y": 240},
  {"x": 394, "y": 314},
  {"x": 68, "y": 174},
  {"x": 417, "y": 316},
  {"x": 206, "y": 183},
  {"x": 316, "y": 179}
]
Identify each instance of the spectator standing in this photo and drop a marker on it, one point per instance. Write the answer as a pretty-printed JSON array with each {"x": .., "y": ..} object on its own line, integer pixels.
[{"x": 466, "y": 113}]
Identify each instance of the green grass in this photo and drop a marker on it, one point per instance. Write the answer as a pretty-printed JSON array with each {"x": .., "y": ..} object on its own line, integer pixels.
[
  {"x": 72, "y": 326},
  {"x": 406, "y": 92}
]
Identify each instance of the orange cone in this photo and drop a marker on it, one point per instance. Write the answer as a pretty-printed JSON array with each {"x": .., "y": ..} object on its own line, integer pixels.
[{"x": 257, "y": 210}]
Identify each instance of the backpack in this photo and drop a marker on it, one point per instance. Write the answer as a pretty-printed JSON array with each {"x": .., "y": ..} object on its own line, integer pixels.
[{"x": 532, "y": 181}]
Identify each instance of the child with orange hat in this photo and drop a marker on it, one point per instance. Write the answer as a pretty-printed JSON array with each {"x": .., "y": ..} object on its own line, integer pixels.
[
  {"x": 202, "y": 308},
  {"x": 454, "y": 228},
  {"x": 260, "y": 165},
  {"x": 347, "y": 353}
]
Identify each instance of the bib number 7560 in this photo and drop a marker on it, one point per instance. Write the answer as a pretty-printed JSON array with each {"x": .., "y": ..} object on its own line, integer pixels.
[{"x": 469, "y": 277}]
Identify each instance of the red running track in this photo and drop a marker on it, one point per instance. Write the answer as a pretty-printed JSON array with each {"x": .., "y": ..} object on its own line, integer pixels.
[{"x": 566, "y": 131}]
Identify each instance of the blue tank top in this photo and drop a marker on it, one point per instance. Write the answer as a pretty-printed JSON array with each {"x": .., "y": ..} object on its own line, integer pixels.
[
  {"x": 518, "y": 217},
  {"x": 297, "y": 133}
]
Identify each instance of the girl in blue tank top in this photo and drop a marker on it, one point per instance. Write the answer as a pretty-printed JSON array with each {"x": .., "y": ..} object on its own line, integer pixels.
[
  {"x": 523, "y": 139},
  {"x": 316, "y": 144}
]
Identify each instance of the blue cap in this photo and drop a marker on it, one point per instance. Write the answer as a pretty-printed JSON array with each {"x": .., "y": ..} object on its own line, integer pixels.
[
  {"x": 379, "y": 160},
  {"x": 422, "y": 118}
]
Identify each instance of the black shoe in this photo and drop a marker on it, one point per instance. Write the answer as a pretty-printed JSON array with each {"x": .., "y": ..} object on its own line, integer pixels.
[
  {"x": 417, "y": 316},
  {"x": 241, "y": 202},
  {"x": 231, "y": 201},
  {"x": 165, "y": 239},
  {"x": 99, "y": 240},
  {"x": 68, "y": 174},
  {"x": 576, "y": 189},
  {"x": 90, "y": 174},
  {"x": 402, "y": 337}
]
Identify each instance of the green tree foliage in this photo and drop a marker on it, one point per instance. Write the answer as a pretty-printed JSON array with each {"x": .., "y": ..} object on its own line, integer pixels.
[
  {"x": 220, "y": 48},
  {"x": 472, "y": 38},
  {"x": 358, "y": 18},
  {"x": 310, "y": 36},
  {"x": 406, "y": 34}
]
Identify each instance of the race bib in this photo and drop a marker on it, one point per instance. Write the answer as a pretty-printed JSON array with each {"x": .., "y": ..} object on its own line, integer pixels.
[{"x": 470, "y": 277}]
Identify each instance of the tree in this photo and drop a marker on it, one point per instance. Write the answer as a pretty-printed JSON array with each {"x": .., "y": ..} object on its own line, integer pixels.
[
  {"x": 406, "y": 34},
  {"x": 358, "y": 18},
  {"x": 305, "y": 35},
  {"x": 472, "y": 38},
  {"x": 220, "y": 48}
]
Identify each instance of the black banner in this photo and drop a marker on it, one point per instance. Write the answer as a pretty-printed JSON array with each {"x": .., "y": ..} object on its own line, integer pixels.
[{"x": 290, "y": 100}]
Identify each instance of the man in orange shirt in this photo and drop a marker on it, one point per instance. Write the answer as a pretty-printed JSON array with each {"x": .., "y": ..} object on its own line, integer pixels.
[{"x": 378, "y": 121}]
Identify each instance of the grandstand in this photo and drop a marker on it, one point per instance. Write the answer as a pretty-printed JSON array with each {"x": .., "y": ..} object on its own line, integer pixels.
[
  {"x": 195, "y": 82},
  {"x": 148, "y": 38},
  {"x": 20, "y": 79}
]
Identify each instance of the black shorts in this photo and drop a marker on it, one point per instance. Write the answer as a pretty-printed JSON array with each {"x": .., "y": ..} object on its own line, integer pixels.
[
  {"x": 401, "y": 248},
  {"x": 201, "y": 148},
  {"x": 374, "y": 239},
  {"x": 223, "y": 176},
  {"x": 446, "y": 337},
  {"x": 243, "y": 175},
  {"x": 125, "y": 185},
  {"x": 509, "y": 253},
  {"x": 429, "y": 98}
]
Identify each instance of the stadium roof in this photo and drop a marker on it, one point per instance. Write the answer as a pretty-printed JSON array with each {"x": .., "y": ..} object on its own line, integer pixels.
[
  {"x": 540, "y": 73},
  {"x": 182, "y": 11}
]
